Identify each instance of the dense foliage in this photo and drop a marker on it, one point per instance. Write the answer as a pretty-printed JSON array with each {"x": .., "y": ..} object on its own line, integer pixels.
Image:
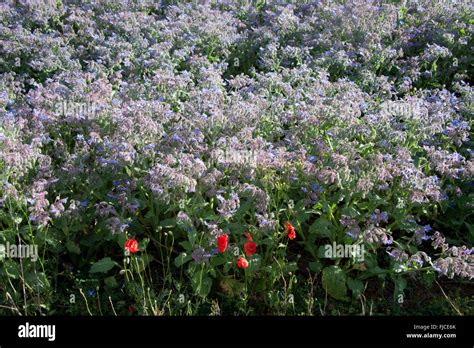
[{"x": 198, "y": 157}]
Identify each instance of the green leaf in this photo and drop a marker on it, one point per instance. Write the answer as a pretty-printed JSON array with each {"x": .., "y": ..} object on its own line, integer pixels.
[
  {"x": 186, "y": 245},
  {"x": 350, "y": 211},
  {"x": 315, "y": 266},
  {"x": 356, "y": 286},
  {"x": 73, "y": 247},
  {"x": 182, "y": 259},
  {"x": 400, "y": 285},
  {"x": 11, "y": 269},
  {"x": 334, "y": 282},
  {"x": 267, "y": 241},
  {"x": 168, "y": 223},
  {"x": 291, "y": 267},
  {"x": 102, "y": 266},
  {"x": 218, "y": 260},
  {"x": 201, "y": 284},
  {"x": 192, "y": 235},
  {"x": 322, "y": 228},
  {"x": 38, "y": 281},
  {"x": 111, "y": 282}
]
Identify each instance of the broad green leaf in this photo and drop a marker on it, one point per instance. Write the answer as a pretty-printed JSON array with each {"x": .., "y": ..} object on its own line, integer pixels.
[
  {"x": 102, "y": 266},
  {"x": 334, "y": 282},
  {"x": 356, "y": 286},
  {"x": 201, "y": 284},
  {"x": 315, "y": 266},
  {"x": 217, "y": 260},
  {"x": 322, "y": 228}
]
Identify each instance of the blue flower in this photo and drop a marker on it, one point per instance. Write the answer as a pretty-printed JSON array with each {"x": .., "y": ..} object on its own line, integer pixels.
[
  {"x": 103, "y": 160},
  {"x": 456, "y": 123},
  {"x": 317, "y": 188},
  {"x": 116, "y": 182},
  {"x": 5, "y": 183},
  {"x": 149, "y": 147},
  {"x": 177, "y": 138}
]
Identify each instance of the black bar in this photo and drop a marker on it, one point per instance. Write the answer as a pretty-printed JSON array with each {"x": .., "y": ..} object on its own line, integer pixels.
[{"x": 224, "y": 330}]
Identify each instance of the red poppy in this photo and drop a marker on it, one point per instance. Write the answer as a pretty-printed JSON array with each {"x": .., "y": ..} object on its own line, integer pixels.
[
  {"x": 250, "y": 248},
  {"x": 242, "y": 263},
  {"x": 290, "y": 230},
  {"x": 131, "y": 245},
  {"x": 248, "y": 236},
  {"x": 222, "y": 242}
]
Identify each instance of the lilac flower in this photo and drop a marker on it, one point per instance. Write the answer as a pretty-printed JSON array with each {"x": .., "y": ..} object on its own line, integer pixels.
[
  {"x": 377, "y": 235},
  {"x": 228, "y": 207},
  {"x": 200, "y": 255},
  {"x": 265, "y": 222},
  {"x": 38, "y": 211},
  {"x": 397, "y": 254},
  {"x": 57, "y": 208},
  {"x": 115, "y": 225},
  {"x": 377, "y": 217},
  {"x": 132, "y": 206}
]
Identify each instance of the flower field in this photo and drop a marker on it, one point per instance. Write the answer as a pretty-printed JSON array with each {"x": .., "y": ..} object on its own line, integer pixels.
[{"x": 236, "y": 157}]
